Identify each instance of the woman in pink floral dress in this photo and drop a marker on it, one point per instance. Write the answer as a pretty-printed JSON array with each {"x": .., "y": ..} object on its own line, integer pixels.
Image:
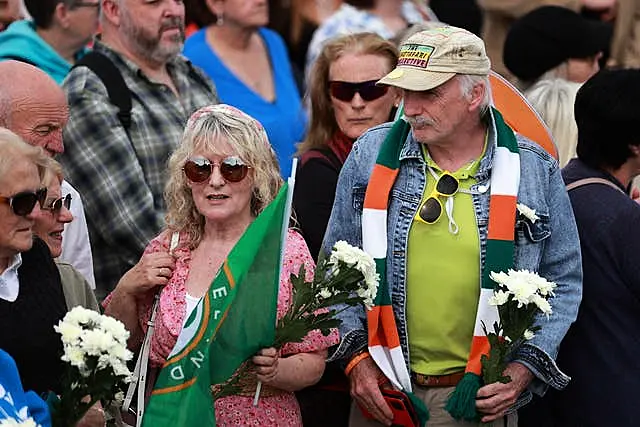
[{"x": 221, "y": 177}]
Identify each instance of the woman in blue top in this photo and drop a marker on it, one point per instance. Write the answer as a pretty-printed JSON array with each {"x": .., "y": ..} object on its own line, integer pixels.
[
  {"x": 15, "y": 403},
  {"x": 250, "y": 68}
]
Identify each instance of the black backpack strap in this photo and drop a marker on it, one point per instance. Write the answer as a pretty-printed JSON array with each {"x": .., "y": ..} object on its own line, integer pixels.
[
  {"x": 117, "y": 89},
  {"x": 587, "y": 181}
]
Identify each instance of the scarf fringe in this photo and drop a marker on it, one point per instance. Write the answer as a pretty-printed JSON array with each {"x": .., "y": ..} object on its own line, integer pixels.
[{"x": 462, "y": 402}]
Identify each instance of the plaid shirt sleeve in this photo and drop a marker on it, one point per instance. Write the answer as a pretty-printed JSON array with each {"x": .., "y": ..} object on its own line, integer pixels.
[{"x": 101, "y": 162}]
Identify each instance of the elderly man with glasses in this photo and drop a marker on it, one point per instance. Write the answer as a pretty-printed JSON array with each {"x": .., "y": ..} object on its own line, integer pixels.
[
  {"x": 441, "y": 199},
  {"x": 56, "y": 36}
]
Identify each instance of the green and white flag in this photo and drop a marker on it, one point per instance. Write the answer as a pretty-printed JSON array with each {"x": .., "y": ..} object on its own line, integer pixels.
[{"x": 232, "y": 322}]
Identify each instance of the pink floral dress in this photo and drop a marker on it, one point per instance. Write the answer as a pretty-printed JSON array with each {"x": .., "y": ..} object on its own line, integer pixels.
[{"x": 278, "y": 410}]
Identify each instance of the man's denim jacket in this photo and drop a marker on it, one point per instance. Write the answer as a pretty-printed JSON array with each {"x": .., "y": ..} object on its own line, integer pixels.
[{"x": 549, "y": 246}]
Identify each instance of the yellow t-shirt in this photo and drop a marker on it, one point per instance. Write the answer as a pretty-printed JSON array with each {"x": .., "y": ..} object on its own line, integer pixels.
[{"x": 443, "y": 280}]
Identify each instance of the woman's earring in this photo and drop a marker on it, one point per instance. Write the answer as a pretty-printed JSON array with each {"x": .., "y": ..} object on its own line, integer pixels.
[{"x": 220, "y": 19}]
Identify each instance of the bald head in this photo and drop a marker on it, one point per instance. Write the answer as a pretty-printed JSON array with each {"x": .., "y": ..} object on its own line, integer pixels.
[{"x": 32, "y": 105}]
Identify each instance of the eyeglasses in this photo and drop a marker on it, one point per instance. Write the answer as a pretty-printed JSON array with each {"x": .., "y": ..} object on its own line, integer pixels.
[
  {"x": 199, "y": 169},
  {"x": 431, "y": 210},
  {"x": 56, "y": 205},
  {"x": 345, "y": 91},
  {"x": 23, "y": 203}
]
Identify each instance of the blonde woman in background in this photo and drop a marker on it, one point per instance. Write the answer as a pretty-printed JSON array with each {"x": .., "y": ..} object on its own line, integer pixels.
[{"x": 553, "y": 99}]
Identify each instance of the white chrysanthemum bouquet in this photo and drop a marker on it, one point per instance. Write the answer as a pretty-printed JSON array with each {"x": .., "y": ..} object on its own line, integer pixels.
[
  {"x": 347, "y": 277},
  {"x": 519, "y": 296},
  {"x": 95, "y": 349}
]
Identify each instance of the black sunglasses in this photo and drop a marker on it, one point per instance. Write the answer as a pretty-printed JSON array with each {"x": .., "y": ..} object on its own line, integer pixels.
[
  {"x": 431, "y": 209},
  {"x": 345, "y": 91},
  {"x": 199, "y": 169},
  {"x": 56, "y": 205},
  {"x": 22, "y": 204}
]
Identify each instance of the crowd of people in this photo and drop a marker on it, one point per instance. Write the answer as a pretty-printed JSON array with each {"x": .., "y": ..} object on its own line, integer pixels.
[{"x": 140, "y": 139}]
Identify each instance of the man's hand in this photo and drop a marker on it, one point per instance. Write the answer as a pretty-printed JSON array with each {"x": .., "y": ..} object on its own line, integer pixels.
[
  {"x": 366, "y": 391},
  {"x": 493, "y": 400}
]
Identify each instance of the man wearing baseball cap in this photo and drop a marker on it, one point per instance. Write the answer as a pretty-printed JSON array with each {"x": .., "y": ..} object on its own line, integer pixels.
[{"x": 440, "y": 199}]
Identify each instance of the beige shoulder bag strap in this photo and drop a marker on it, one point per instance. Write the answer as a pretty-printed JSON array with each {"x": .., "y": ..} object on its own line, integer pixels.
[
  {"x": 586, "y": 181},
  {"x": 139, "y": 380}
]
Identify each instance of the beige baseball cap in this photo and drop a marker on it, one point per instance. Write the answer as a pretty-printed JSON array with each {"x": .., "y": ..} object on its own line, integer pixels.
[{"x": 430, "y": 58}]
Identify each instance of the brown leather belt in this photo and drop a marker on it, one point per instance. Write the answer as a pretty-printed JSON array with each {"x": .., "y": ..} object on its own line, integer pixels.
[{"x": 437, "y": 380}]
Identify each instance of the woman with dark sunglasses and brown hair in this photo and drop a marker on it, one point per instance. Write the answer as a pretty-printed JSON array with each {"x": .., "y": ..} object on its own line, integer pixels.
[
  {"x": 345, "y": 101},
  {"x": 221, "y": 177}
]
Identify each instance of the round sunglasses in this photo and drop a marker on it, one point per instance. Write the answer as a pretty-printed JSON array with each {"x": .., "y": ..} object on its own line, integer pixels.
[
  {"x": 22, "y": 203},
  {"x": 345, "y": 91},
  {"x": 56, "y": 205},
  {"x": 431, "y": 210},
  {"x": 199, "y": 169}
]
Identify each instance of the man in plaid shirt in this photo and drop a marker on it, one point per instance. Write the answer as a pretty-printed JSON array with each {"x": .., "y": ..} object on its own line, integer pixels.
[{"x": 119, "y": 171}]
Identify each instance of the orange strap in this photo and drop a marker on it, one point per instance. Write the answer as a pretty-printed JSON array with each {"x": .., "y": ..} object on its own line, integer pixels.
[{"x": 353, "y": 362}]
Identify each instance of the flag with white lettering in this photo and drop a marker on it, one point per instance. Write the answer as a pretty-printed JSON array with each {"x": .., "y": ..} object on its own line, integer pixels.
[{"x": 234, "y": 320}]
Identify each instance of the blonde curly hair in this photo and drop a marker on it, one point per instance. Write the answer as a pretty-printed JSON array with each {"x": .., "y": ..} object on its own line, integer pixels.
[{"x": 204, "y": 130}]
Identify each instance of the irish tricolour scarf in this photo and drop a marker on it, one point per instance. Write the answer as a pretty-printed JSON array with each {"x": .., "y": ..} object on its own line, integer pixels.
[
  {"x": 384, "y": 343},
  {"x": 234, "y": 320}
]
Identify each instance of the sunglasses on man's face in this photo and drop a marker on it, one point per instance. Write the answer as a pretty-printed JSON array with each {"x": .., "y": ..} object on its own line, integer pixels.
[
  {"x": 56, "y": 205},
  {"x": 431, "y": 210},
  {"x": 199, "y": 169},
  {"x": 22, "y": 204},
  {"x": 345, "y": 91}
]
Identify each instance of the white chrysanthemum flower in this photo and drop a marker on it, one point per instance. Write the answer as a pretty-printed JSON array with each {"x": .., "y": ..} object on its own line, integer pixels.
[
  {"x": 70, "y": 331},
  {"x": 77, "y": 315},
  {"x": 325, "y": 293},
  {"x": 543, "y": 305},
  {"x": 116, "y": 328},
  {"x": 528, "y": 335},
  {"x": 97, "y": 341},
  {"x": 527, "y": 212},
  {"x": 522, "y": 290},
  {"x": 499, "y": 298},
  {"x": 343, "y": 251},
  {"x": 75, "y": 356},
  {"x": 500, "y": 278}
]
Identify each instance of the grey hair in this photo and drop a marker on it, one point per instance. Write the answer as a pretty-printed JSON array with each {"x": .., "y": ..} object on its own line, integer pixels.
[
  {"x": 14, "y": 149},
  {"x": 469, "y": 81}
]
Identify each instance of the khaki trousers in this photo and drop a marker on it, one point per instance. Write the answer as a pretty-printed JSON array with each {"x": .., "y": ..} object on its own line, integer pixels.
[{"x": 435, "y": 398}]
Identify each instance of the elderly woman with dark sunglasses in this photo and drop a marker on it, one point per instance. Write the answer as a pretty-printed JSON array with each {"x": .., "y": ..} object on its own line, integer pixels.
[
  {"x": 221, "y": 177},
  {"x": 23, "y": 269},
  {"x": 49, "y": 225},
  {"x": 35, "y": 295}
]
